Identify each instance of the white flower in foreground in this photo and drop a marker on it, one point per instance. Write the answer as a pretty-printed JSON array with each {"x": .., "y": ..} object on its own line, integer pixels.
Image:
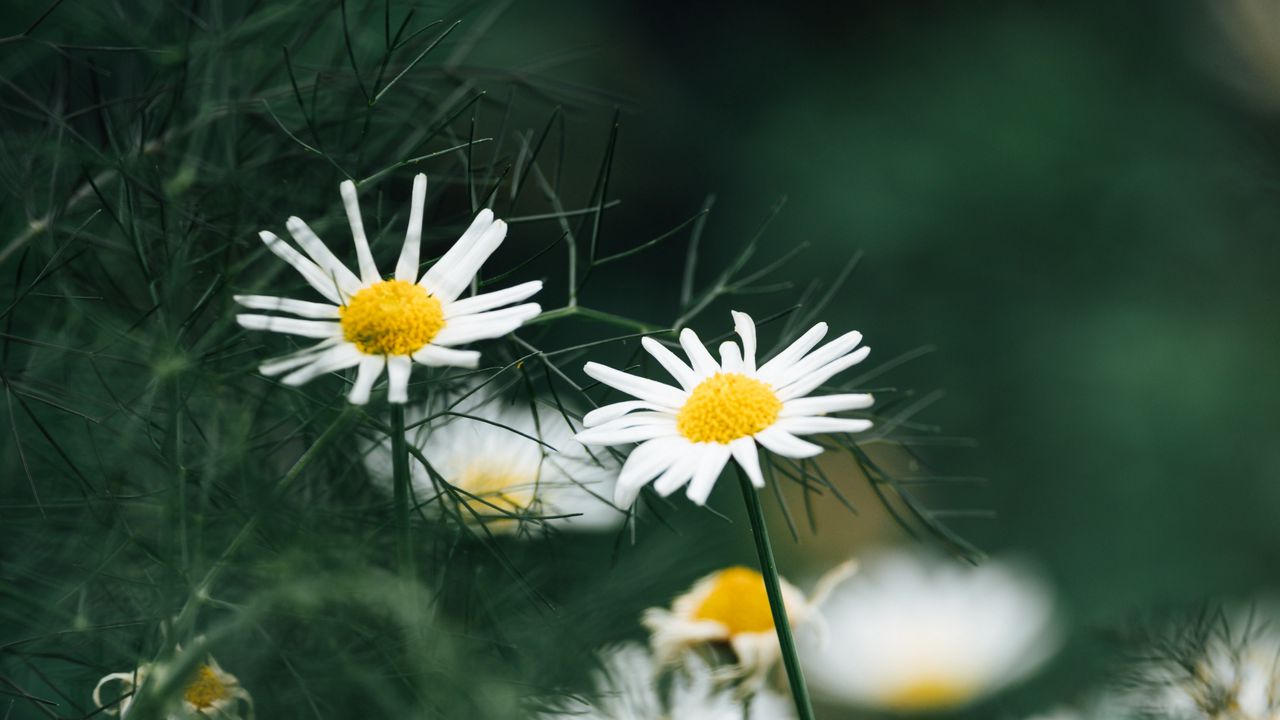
[
  {"x": 731, "y": 606},
  {"x": 1234, "y": 676},
  {"x": 370, "y": 323},
  {"x": 627, "y": 689},
  {"x": 211, "y": 693},
  {"x": 915, "y": 634},
  {"x": 501, "y": 471},
  {"x": 722, "y": 409}
]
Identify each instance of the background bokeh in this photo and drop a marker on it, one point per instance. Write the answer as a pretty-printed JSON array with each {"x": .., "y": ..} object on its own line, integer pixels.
[{"x": 1071, "y": 203}]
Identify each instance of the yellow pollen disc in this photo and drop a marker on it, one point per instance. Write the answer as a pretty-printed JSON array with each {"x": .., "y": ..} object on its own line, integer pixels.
[
  {"x": 206, "y": 689},
  {"x": 392, "y": 317},
  {"x": 738, "y": 601},
  {"x": 727, "y": 406},
  {"x": 931, "y": 693},
  {"x": 495, "y": 492}
]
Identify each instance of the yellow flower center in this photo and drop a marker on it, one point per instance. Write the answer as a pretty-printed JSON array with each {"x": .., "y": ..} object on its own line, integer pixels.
[
  {"x": 392, "y": 317},
  {"x": 727, "y": 406},
  {"x": 738, "y": 601},
  {"x": 496, "y": 492},
  {"x": 931, "y": 693},
  {"x": 206, "y": 689}
]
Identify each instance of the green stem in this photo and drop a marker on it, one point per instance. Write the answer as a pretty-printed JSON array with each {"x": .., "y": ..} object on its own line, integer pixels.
[
  {"x": 400, "y": 477},
  {"x": 769, "y": 569},
  {"x": 200, "y": 592}
]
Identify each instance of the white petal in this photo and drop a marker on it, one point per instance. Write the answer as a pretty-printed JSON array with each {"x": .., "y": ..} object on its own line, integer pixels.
[
  {"x": 781, "y": 442},
  {"x": 339, "y": 357},
  {"x": 398, "y": 369},
  {"x": 638, "y": 419},
  {"x": 436, "y": 356},
  {"x": 748, "y": 457},
  {"x": 483, "y": 326},
  {"x": 642, "y": 388},
  {"x": 642, "y": 465},
  {"x": 823, "y": 355},
  {"x": 730, "y": 357},
  {"x": 604, "y": 414},
  {"x": 291, "y": 326},
  {"x": 302, "y": 308},
  {"x": 811, "y": 425},
  {"x": 624, "y": 436},
  {"x": 298, "y": 359},
  {"x": 322, "y": 256},
  {"x": 746, "y": 329},
  {"x": 822, "y": 404},
  {"x": 702, "y": 362},
  {"x": 674, "y": 365},
  {"x": 794, "y": 352},
  {"x": 315, "y": 277},
  {"x": 444, "y": 266},
  {"x": 815, "y": 378},
  {"x": 710, "y": 465},
  {"x": 489, "y": 301},
  {"x": 407, "y": 266},
  {"x": 367, "y": 374},
  {"x": 682, "y": 467},
  {"x": 368, "y": 270},
  {"x": 449, "y": 287}
]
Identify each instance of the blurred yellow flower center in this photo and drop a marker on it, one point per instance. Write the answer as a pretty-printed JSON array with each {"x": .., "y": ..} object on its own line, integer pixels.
[
  {"x": 727, "y": 406},
  {"x": 392, "y": 317},
  {"x": 931, "y": 693},
  {"x": 738, "y": 601},
  {"x": 206, "y": 689},
  {"x": 496, "y": 492}
]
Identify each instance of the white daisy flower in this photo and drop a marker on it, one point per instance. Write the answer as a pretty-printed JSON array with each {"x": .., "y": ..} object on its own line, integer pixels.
[
  {"x": 731, "y": 607},
  {"x": 501, "y": 470},
  {"x": 722, "y": 409},
  {"x": 918, "y": 634},
  {"x": 211, "y": 693},
  {"x": 370, "y": 323},
  {"x": 1236, "y": 676},
  {"x": 627, "y": 689}
]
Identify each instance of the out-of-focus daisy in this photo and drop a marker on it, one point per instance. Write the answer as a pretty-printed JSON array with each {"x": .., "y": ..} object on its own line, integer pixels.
[
  {"x": 370, "y": 323},
  {"x": 502, "y": 472},
  {"x": 914, "y": 634},
  {"x": 211, "y": 693},
  {"x": 722, "y": 409},
  {"x": 1230, "y": 671},
  {"x": 731, "y": 607},
  {"x": 627, "y": 688}
]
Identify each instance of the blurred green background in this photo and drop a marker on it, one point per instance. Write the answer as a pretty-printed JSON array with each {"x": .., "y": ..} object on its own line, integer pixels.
[{"x": 1072, "y": 202}]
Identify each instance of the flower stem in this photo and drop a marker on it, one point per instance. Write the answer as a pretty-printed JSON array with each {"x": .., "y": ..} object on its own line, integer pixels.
[
  {"x": 400, "y": 476},
  {"x": 769, "y": 569}
]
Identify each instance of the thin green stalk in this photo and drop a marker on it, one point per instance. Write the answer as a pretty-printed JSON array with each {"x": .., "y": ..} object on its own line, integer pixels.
[
  {"x": 400, "y": 475},
  {"x": 769, "y": 569}
]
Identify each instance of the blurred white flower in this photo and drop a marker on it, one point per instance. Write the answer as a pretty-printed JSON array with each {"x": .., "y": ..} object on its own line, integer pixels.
[
  {"x": 370, "y": 323},
  {"x": 721, "y": 410},
  {"x": 503, "y": 473},
  {"x": 627, "y": 688},
  {"x": 211, "y": 693},
  {"x": 914, "y": 633},
  {"x": 731, "y": 606},
  {"x": 1231, "y": 672}
]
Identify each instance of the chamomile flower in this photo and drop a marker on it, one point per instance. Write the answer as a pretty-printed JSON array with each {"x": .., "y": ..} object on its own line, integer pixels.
[
  {"x": 627, "y": 687},
  {"x": 917, "y": 634},
  {"x": 211, "y": 693},
  {"x": 508, "y": 460},
  {"x": 372, "y": 323},
  {"x": 731, "y": 607},
  {"x": 1233, "y": 673},
  {"x": 721, "y": 410}
]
